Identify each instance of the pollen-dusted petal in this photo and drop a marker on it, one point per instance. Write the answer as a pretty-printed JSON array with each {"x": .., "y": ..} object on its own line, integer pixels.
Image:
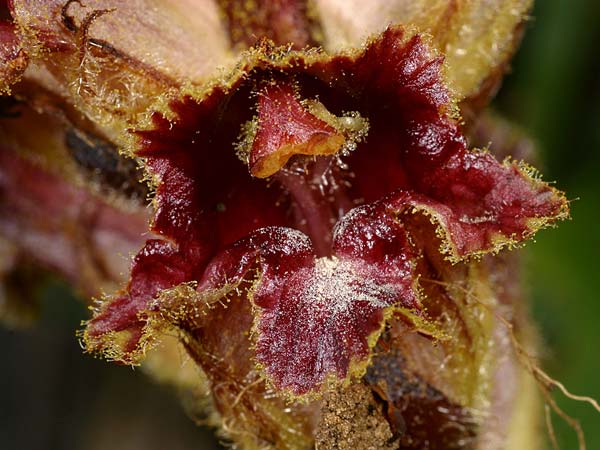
[
  {"x": 477, "y": 37},
  {"x": 315, "y": 317},
  {"x": 286, "y": 128},
  {"x": 328, "y": 315}
]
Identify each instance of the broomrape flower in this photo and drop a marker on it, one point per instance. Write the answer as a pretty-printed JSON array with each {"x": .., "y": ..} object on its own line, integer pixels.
[{"x": 325, "y": 242}]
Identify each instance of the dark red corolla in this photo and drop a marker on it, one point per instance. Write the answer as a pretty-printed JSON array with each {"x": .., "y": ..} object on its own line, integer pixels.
[{"x": 313, "y": 203}]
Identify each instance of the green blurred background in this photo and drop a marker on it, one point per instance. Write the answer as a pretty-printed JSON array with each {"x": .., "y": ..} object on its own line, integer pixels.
[
  {"x": 554, "y": 94},
  {"x": 53, "y": 397}
]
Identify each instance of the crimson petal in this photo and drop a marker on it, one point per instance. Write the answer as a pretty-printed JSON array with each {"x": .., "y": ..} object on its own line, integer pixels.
[{"x": 316, "y": 316}]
